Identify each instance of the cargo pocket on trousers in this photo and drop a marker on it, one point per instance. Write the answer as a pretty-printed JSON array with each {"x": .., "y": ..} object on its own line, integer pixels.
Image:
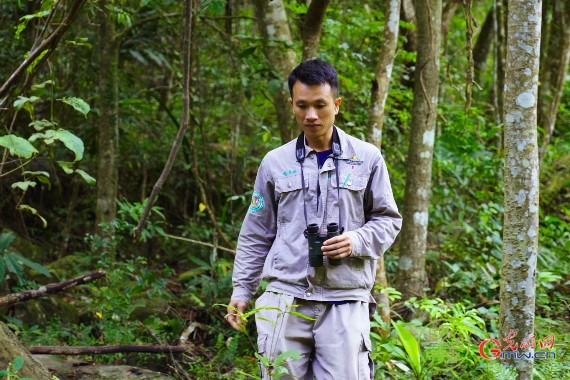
[
  {"x": 261, "y": 349},
  {"x": 365, "y": 363}
]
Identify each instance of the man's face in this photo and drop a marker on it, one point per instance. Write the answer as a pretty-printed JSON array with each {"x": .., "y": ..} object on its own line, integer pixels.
[{"x": 315, "y": 108}]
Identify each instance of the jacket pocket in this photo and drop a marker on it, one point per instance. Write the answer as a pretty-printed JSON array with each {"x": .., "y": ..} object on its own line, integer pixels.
[
  {"x": 354, "y": 273},
  {"x": 290, "y": 190},
  {"x": 351, "y": 188}
]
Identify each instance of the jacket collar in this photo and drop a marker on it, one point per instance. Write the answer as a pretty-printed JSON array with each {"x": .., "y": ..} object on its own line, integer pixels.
[{"x": 347, "y": 150}]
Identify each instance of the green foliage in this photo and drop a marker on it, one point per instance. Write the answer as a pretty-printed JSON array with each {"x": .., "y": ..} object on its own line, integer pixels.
[
  {"x": 129, "y": 214},
  {"x": 233, "y": 125},
  {"x": 11, "y": 373},
  {"x": 12, "y": 262}
]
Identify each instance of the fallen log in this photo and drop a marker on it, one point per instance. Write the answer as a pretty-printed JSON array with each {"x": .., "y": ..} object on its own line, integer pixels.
[
  {"x": 96, "y": 350},
  {"x": 13, "y": 298}
]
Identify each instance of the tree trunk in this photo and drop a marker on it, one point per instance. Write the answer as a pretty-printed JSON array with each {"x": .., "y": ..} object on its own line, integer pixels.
[
  {"x": 553, "y": 74},
  {"x": 412, "y": 278},
  {"x": 520, "y": 232},
  {"x": 312, "y": 28},
  {"x": 11, "y": 348},
  {"x": 380, "y": 87},
  {"x": 447, "y": 16},
  {"x": 383, "y": 74},
  {"x": 500, "y": 56},
  {"x": 408, "y": 14},
  {"x": 108, "y": 150},
  {"x": 274, "y": 26},
  {"x": 483, "y": 46}
]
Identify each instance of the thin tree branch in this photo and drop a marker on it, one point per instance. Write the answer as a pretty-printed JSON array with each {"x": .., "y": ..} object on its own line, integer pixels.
[
  {"x": 47, "y": 44},
  {"x": 11, "y": 299},
  {"x": 96, "y": 350},
  {"x": 187, "y": 51},
  {"x": 201, "y": 243}
]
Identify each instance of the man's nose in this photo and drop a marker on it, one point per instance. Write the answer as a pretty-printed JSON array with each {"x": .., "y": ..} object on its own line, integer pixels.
[{"x": 311, "y": 114}]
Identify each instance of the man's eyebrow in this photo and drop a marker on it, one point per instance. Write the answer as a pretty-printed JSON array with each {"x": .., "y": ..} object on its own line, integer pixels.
[{"x": 320, "y": 100}]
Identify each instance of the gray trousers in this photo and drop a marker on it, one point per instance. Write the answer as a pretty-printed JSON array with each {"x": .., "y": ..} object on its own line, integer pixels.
[{"x": 334, "y": 340}]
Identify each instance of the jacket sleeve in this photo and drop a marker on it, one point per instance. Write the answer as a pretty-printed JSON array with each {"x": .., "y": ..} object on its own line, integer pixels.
[
  {"x": 382, "y": 219},
  {"x": 256, "y": 237}
]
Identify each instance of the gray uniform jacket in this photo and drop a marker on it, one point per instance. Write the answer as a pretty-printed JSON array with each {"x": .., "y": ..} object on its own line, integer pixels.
[{"x": 271, "y": 244}]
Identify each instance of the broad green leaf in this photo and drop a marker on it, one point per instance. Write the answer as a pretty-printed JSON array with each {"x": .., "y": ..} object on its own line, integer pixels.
[
  {"x": 31, "y": 264},
  {"x": 43, "y": 84},
  {"x": 18, "y": 146},
  {"x": 13, "y": 265},
  {"x": 395, "y": 350},
  {"x": 18, "y": 364},
  {"x": 23, "y": 185},
  {"x": 90, "y": 180},
  {"x": 40, "y": 57},
  {"x": 301, "y": 315},
  {"x": 40, "y": 14},
  {"x": 411, "y": 346},
  {"x": 77, "y": 103},
  {"x": 21, "y": 101},
  {"x": 66, "y": 166},
  {"x": 6, "y": 239},
  {"x": 81, "y": 41},
  {"x": 265, "y": 361},
  {"x": 40, "y": 125},
  {"x": 281, "y": 359},
  {"x": 36, "y": 173},
  {"x": 71, "y": 142},
  {"x": 33, "y": 211}
]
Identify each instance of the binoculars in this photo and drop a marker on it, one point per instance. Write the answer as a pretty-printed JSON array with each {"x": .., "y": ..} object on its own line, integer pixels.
[{"x": 316, "y": 241}]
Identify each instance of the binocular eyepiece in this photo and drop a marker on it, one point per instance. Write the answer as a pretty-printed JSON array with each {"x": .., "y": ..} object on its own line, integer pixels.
[{"x": 316, "y": 241}]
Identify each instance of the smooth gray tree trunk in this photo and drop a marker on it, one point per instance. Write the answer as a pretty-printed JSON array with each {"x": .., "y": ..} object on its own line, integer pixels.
[
  {"x": 108, "y": 149},
  {"x": 412, "y": 278},
  {"x": 274, "y": 27},
  {"x": 520, "y": 231},
  {"x": 380, "y": 86},
  {"x": 383, "y": 73}
]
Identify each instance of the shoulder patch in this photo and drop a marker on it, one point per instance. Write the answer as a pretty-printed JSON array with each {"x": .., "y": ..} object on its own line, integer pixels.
[{"x": 257, "y": 203}]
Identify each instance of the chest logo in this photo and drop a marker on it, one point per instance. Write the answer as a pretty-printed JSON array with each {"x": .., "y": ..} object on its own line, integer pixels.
[
  {"x": 354, "y": 161},
  {"x": 287, "y": 173}
]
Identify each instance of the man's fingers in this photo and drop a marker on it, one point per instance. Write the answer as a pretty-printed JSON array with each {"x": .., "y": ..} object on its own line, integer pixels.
[
  {"x": 338, "y": 247},
  {"x": 236, "y": 308}
]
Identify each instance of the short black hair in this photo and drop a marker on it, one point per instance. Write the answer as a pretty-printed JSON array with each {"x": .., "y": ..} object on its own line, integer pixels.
[{"x": 314, "y": 72}]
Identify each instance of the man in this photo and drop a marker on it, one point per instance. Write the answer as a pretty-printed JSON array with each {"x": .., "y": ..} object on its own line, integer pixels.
[{"x": 319, "y": 307}]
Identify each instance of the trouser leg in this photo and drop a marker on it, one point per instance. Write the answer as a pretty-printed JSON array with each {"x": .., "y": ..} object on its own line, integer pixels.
[
  {"x": 342, "y": 343},
  {"x": 279, "y": 332}
]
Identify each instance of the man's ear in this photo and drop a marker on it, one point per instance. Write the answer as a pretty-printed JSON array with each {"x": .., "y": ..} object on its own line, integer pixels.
[{"x": 337, "y": 104}]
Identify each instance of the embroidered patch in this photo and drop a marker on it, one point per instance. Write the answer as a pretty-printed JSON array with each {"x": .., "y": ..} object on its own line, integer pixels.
[
  {"x": 354, "y": 161},
  {"x": 257, "y": 203}
]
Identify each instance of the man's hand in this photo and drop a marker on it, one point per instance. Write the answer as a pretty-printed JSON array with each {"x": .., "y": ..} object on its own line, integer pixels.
[
  {"x": 234, "y": 308},
  {"x": 338, "y": 247}
]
